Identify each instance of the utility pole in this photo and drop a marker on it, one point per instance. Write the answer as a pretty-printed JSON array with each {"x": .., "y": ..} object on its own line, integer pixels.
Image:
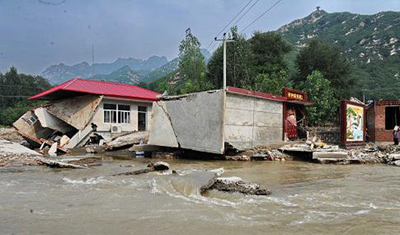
[
  {"x": 364, "y": 90},
  {"x": 224, "y": 40},
  {"x": 92, "y": 59}
]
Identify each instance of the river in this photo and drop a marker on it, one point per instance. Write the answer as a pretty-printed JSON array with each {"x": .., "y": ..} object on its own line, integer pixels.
[{"x": 306, "y": 199}]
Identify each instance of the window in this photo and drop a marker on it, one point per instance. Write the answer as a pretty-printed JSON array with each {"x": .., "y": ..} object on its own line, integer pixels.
[
  {"x": 32, "y": 119},
  {"x": 392, "y": 117},
  {"x": 142, "y": 115},
  {"x": 117, "y": 113}
]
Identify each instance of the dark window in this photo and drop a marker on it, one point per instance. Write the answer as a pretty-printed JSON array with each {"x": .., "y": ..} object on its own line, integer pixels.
[
  {"x": 392, "y": 117},
  {"x": 110, "y": 106},
  {"x": 142, "y": 116}
]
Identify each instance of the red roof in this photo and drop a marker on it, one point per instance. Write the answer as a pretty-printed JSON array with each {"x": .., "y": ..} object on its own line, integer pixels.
[
  {"x": 79, "y": 85},
  {"x": 257, "y": 94}
]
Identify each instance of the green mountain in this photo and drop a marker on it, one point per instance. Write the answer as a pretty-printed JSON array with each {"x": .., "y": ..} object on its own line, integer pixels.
[
  {"x": 162, "y": 71},
  {"x": 60, "y": 73},
  {"x": 371, "y": 42},
  {"x": 124, "y": 75}
]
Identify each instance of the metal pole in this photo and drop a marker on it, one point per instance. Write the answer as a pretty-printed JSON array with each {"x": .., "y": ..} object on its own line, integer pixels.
[
  {"x": 224, "y": 86},
  {"x": 224, "y": 40}
]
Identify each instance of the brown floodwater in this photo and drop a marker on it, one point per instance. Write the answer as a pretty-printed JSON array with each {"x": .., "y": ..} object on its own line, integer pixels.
[{"x": 306, "y": 199}]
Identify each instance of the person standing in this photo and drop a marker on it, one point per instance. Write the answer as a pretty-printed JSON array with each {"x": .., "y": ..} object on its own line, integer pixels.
[{"x": 396, "y": 135}]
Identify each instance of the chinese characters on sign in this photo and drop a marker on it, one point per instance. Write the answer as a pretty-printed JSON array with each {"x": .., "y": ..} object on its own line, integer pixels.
[{"x": 295, "y": 96}]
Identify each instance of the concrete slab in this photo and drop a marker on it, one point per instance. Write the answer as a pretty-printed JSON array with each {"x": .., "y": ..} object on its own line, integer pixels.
[
  {"x": 330, "y": 155},
  {"x": 8, "y": 148}
]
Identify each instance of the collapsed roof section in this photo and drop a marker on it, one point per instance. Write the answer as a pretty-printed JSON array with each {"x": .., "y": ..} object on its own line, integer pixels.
[
  {"x": 65, "y": 122},
  {"x": 78, "y": 86}
]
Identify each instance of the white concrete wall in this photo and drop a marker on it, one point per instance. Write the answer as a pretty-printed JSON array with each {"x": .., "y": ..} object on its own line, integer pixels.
[
  {"x": 193, "y": 122},
  {"x": 98, "y": 118},
  {"x": 252, "y": 121}
]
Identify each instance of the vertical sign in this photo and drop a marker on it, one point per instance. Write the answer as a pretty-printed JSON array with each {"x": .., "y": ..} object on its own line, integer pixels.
[{"x": 352, "y": 123}]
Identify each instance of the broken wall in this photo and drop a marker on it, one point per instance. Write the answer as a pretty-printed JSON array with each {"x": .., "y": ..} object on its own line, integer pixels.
[
  {"x": 30, "y": 128},
  {"x": 77, "y": 111},
  {"x": 251, "y": 121},
  {"x": 193, "y": 122}
]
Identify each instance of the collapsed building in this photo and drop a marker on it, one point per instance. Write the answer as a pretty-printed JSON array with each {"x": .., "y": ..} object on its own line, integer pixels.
[
  {"x": 80, "y": 107},
  {"x": 218, "y": 120},
  {"x": 382, "y": 117}
]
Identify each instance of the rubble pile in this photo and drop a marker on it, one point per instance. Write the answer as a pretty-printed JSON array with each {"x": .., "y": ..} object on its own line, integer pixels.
[
  {"x": 12, "y": 135},
  {"x": 269, "y": 153},
  {"x": 16, "y": 160}
]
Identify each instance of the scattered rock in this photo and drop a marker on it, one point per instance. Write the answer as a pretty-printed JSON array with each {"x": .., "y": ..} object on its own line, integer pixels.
[
  {"x": 394, "y": 156},
  {"x": 397, "y": 163},
  {"x": 157, "y": 166},
  {"x": 236, "y": 184}
]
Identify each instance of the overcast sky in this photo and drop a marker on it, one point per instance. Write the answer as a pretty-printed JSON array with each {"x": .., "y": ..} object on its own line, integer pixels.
[{"x": 37, "y": 33}]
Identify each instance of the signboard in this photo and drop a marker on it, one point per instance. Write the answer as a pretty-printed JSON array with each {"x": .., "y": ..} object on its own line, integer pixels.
[
  {"x": 352, "y": 123},
  {"x": 293, "y": 94}
]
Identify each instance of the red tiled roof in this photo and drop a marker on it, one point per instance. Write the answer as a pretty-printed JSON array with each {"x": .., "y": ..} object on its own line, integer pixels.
[
  {"x": 100, "y": 88},
  {"x": 262, "y": 95},
  {"x": 255, "y": 94}
]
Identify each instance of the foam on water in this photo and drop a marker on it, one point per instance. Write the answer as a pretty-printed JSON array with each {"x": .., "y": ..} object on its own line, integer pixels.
[{"x": 89, "y": 181}]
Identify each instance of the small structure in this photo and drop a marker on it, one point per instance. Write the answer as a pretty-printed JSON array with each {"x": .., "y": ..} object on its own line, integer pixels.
[
  {"x": 214, "y": 121},
  {"x": 382, "y": 117},
  {"x": 352, "y": 123},
  {"x": 80, "y": 107}
]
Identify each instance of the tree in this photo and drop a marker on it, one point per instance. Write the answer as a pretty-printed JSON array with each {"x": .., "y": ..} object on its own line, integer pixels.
[
  {"x": 14, "y": 90},
  {"x": 191, "y": 60},
  {"x": 238, "y": 62},
  {"x": 330, "y": 61},
  {"x": 319, "y": 90},
  {"x": 268, "y": 52},
  {"x": 271, "y": 83}
]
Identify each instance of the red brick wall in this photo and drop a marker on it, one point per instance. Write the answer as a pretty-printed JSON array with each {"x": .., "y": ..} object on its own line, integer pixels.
[{"x": 380, "y": 133}]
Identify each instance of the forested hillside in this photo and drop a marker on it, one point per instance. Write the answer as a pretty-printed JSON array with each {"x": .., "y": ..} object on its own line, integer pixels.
[
  {"x": 15, "y": 88},
  {"x": 371, "y": 42}
]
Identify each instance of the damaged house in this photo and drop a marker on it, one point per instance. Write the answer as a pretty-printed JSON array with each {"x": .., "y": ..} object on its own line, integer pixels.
[
  {"x": 80, "y": 107},
  {"x": 215, "y": 121},
  {"x": 382, "y": 117}
]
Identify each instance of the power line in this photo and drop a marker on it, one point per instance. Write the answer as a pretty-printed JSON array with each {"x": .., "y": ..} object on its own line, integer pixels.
[
  {"x": 236, "y": 16},
  {"x": 265, "y": 12},
  {"x": 213, "y": 41},
  {"x": 246, "y": 12},
  {"x": 15, "y": 96}
]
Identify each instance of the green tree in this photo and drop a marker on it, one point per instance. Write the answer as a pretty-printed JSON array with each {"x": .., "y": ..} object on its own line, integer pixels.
[
  {"x": 319, "y": 90},
  {"x": 268, "y": 52},
  {"x": 14, "y": 90},
  {"x": 191, "y": 60},
  {"x": 238, "y": 62},
  {"x": 330, "y": 61},
  {"x": 271, "y": 83}
]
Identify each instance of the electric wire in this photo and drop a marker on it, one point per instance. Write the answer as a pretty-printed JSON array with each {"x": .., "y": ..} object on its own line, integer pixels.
[
  {"x": 246, "y": 12},
  {"x": 243, "y": 8},
  {"x": 265, "y": 12}
]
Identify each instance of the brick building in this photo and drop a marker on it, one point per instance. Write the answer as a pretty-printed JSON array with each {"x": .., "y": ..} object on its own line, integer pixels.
[{"x": 382, "y": 117}]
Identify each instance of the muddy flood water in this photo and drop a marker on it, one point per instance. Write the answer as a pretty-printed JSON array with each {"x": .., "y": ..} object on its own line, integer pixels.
[{"x": 306, "y": 199}]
